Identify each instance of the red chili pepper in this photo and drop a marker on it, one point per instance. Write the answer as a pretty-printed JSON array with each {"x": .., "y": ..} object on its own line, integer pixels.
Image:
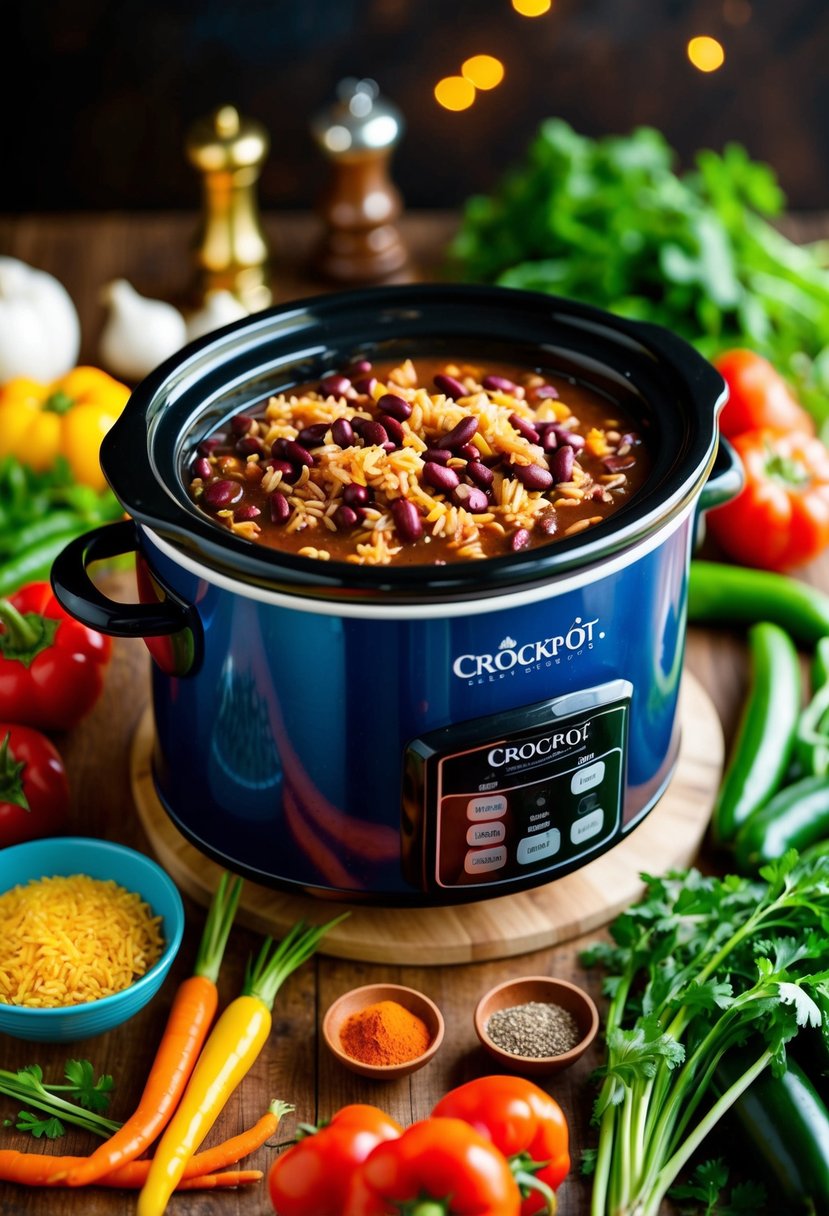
[
  {"x": 780, "y": 519},
  {"x": 438, "y": 1167},
  {"x": 313, "y": 1176},
  {"x": 34, "y": 793},
  {"x": 525, "y": 1123},
  {"x": 51, "y": 666}
]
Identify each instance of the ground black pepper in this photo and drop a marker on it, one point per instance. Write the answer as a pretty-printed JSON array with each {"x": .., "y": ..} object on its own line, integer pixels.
[{"x": 537, "y": 1029}]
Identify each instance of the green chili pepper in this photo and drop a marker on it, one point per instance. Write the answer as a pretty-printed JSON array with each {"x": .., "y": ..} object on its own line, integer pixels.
[
  {"x": 764, "y": 741},
  {"x": 37, "y": 531},
  {"x": 820, "y": 665},
  {"x": 32, "y": 564},
  {"x": 796, "y": 817},
  {"x": 721, "y": 592}
]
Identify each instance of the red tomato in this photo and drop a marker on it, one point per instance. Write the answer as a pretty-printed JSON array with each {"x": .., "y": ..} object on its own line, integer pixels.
[
  {"x": 437, "y": 1165},
  {"x": 521, "y": 1120},
  {"x": 758, "y": 396},
  {"x": 314, "y": 1174},
  {"x": 34, "y": 793},
  {"x": 780, "y": 519}
]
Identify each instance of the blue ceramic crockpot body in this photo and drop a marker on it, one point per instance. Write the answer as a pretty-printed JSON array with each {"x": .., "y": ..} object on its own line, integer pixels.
[{"x": 405, "y": 733}]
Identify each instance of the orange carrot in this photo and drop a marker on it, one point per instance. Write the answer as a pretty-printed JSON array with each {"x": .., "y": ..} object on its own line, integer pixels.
[
  {"x": 192, "y": 1012},
  {"x": 34, "y": 1169},
  {"x": 40, "y": 1169}
]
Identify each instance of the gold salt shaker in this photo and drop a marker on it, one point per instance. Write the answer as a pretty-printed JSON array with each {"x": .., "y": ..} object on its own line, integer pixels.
[
  {"x": 231, "y": 252},
  {"x": 360, "y": 204}
]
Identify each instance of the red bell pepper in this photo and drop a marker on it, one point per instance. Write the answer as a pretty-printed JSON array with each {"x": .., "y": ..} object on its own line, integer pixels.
[
  {"x": 780, "y": 518},
  {"x": 758, "y": 396},
  {"x": 51, "y": 666},
  {"x": 438, "y": 1167},
  {"x": 313, "y": 1175},
  {"x": 525, "y": 1123},
  {"x": 34, "y": 793}
]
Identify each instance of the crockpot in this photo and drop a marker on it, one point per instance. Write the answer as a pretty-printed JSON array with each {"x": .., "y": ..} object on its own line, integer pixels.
[{"x": 409, "y": 734}]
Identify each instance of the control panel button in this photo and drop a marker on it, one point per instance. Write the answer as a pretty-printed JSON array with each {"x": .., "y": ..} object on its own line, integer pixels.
[
  {"x": 535, "y": 848},
  {"x": 490, "y": 807},
  {"x": 485, "y": 833},
  {"x": 588, "y": 803},
  {"x": 589, "y": 826},
  {"x": 479, "y": 861},
  {"x": 587, "y": 778}
]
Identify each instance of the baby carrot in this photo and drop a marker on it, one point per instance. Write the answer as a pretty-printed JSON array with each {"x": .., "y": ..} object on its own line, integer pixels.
[
  {"x": 231, "y": 1048},
  {"x": 188, "y": 1022},
  {"x": 39, "y": 1169},
  {"x": 28, "y": 1169}
]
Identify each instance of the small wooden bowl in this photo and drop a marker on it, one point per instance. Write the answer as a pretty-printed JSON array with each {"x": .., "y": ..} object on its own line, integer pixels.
[
  {"x": 546, "y": 990},
  {"x": 358, "y": 998}
]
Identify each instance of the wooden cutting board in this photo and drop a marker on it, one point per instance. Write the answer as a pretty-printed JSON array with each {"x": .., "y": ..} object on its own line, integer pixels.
[{"x": 669, "y": 837}]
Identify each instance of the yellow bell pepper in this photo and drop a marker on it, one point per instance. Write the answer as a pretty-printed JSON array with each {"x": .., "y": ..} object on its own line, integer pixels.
[{"x": 69, "y": 418}]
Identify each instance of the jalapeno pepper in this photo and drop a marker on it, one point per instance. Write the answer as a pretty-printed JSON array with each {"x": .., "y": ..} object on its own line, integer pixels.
[{"x": 718, "y": 591}]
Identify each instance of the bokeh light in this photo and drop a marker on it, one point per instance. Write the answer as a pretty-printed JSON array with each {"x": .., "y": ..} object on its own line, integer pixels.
[
  {"x": 706, "y": 54},
  {"x": 484, "y": 71},
  {"x": 532, "y": 8},
  {"x": 455, "y": 93}
]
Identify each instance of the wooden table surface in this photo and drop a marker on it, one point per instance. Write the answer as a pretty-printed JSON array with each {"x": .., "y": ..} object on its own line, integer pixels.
[{"x": 153, "y": 252}]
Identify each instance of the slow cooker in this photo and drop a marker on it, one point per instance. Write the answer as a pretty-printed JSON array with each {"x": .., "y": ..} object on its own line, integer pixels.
[{"x": 409, "y": 734}]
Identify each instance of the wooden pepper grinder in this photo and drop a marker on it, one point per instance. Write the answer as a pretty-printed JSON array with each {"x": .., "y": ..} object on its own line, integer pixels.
[
  {"x": 358, "y": 134},
  {"x": 231, "y": 252}
]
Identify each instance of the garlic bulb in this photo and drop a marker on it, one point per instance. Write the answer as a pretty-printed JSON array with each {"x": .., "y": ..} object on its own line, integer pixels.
[
  {"x": 40, "y": 332},
  {"x": 139, "y": 333},
  {"x": 219, "y": 308}
]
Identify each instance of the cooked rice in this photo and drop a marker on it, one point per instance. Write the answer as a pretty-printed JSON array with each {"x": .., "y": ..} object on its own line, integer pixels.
[{"x": 69, "y": 940}]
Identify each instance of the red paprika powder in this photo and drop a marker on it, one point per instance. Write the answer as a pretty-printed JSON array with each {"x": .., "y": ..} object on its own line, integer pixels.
[{"x": 384, "y": 1033}]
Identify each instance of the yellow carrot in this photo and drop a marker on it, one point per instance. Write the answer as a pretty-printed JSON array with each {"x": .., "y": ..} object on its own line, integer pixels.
[{"x": 231, "y": 1049}]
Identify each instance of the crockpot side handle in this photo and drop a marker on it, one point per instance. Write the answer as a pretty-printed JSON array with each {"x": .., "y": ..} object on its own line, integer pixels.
[
  {"x": 725, "y": 479},
  {"x": 75, "y": 591}
]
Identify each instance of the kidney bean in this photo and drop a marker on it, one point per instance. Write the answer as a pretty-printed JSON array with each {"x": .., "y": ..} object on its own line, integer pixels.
[
  {"x": 407, "y": 520},
  {"x": 549, "y": 440},
  {"x": 561, "y": 464},
  {"x": 297, "y": 454},
  {"x": 365, "y": 385},
  {"x": 565, "y": 435},
  {"x": 247, "y": 511},
  {"x": 470, "y": 498},
  {"x": 460, "y": 434},
  {"x": 480, "y": 474},
  {"x": 440, "y": 478},
  {"x": 209, "y": 445},
  {"x": 342, "y": 432},
  {"x": 523, "y": 427},
  {"x": 312, "y": 436},
  {"x": 469, "y": 452},
  {"x": 546, "y": 523},
  {"x": 221, "y": 494},
  {"x": 250, "y": 445},
  {"x": 615, "y": 464},
  {"x": 543, "y": 392},
  {"x": 335, "y": 385},
  {"x": 436, "y": 455},
  {"x": 394, "y": 406},
  {"x": 280, "y": 508},
  {"x": 284, "y": 467},
  {"x": 394, "y": 430},
  {"x": 520, "y": 540},
  {"x": 355, "y": 495},
  {"x": 374, "y": 433},
  {"x": 449, "y": 386},
  {"x": 241, "y": 424},
  {"x": 498, "y": 384},
  {"x": 362, "y": 367},
  {"x": 533, "y": 476},
  {"x": 345, "y": 517},
  {"x": 202, "y": 468},
  {"x": 278, "y": 447}
]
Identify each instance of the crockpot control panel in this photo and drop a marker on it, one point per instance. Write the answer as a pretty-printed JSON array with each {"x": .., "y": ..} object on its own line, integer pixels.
[{"x": 520, "y": 794}]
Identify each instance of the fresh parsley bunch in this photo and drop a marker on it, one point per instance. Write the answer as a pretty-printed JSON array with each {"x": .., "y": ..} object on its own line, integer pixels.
[
  {"x": 611, "y": 222},
  {"x": 699, "y": 965}
]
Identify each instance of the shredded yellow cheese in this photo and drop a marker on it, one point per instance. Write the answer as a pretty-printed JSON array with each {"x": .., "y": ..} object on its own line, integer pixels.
[{"x": 69, "y": 940}]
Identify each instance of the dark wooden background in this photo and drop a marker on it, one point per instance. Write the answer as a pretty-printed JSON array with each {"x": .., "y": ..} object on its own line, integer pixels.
[{"x": 96, "y": 113}]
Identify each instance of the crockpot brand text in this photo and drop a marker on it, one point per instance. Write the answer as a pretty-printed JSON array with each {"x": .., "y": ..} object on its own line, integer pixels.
[
  {"x": 574, "y": 737},
  {"x": 510, "y": 655}
]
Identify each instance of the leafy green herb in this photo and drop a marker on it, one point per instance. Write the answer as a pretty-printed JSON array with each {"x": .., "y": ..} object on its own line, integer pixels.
[
  {"x": 51, "y": 1128},
  {"x": 611, "y": 222},
  {"x": 692, "y": 970},
  {"x": 27, "y": 1085},
  {"x": 708, "y": 1189}
]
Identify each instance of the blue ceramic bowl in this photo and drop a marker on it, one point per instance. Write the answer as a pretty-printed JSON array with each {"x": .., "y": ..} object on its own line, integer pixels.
[{"x": 66, "y": 855}]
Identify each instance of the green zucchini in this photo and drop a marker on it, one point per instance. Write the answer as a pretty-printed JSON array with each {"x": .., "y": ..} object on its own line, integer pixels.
[
  {"x": 763, "y": 745},
  {"x": 796, "y": 817},
  {"x": 785, "y": 1129}
]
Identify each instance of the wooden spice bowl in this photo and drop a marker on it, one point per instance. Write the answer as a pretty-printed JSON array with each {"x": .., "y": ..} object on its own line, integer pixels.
[
  {"x": 543, "y": 989},
  {"x": 370, "y": 994}
]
